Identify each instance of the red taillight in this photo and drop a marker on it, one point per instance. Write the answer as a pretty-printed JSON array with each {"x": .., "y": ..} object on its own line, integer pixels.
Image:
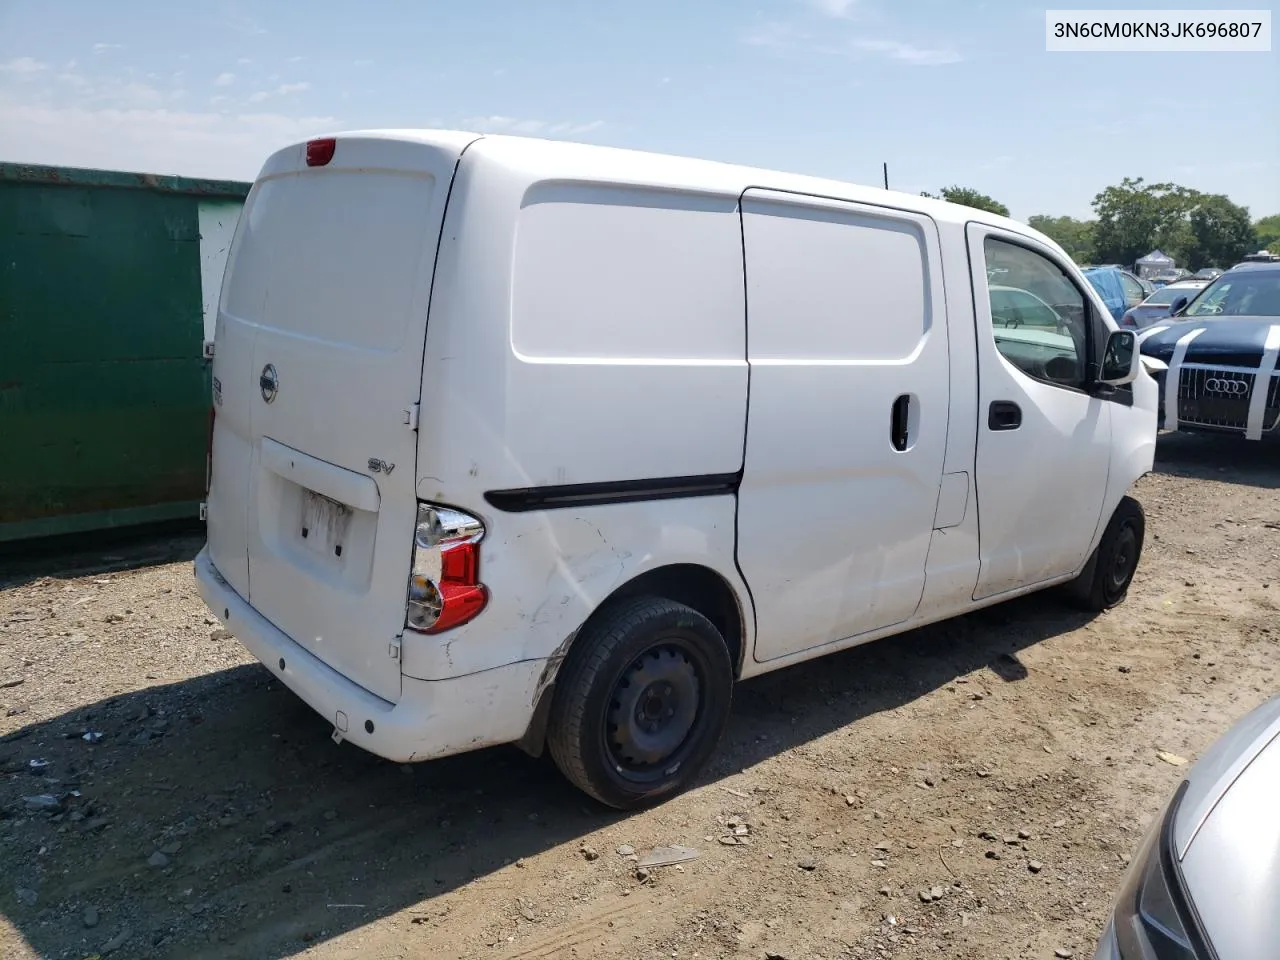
[
  {"x": 462, "y": 595},
  {"x": 461, "y": 564},
  {"x": 444, "y": 588},
  {"x": 320, "y": 152}
]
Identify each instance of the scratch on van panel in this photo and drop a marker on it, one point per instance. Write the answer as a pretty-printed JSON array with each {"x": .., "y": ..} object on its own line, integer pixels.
[
  {"x": 542, "y": 608},
  {"x": 552, "y": 667}
]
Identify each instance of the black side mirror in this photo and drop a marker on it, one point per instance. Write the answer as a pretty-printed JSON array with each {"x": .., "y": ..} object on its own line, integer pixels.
[
  {"x": 1177, "y": 305},
  {"x": 1120, "y": 359}
]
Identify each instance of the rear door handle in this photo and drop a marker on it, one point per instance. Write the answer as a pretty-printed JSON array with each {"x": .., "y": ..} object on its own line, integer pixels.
[{"x": 1004, "y": 415}]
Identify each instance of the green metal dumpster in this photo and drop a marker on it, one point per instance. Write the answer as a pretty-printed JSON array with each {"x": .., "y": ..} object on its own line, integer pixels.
[{"x": 108, "y": 294}]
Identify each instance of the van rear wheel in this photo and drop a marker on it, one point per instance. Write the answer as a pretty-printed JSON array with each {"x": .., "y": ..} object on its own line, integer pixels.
[
  {"x": 1105, "y": 580},
  {"x": 641, "y": 702}
]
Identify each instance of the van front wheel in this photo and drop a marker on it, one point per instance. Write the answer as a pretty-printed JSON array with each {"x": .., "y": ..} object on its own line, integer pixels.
[
  {"x": 1105, "y": 580},
  {"x": 641, "y": 702}
]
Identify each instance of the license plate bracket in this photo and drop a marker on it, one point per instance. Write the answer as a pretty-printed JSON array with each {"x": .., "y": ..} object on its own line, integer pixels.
[{"x": 324, "y": 524}]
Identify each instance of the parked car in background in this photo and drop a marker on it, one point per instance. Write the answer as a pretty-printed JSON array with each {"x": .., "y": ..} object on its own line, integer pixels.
[
  {"x": 1156, "y": 307},
  {"x": 1014, "y": 307},
  {"x": 1120, "y": 290},
  {"x": 1262, "y": 256},
  {"x": 1207, "y": 273},
  {"x": 1145, "y": 286},
  {"x": 1206, "y": 881},
  {"x": 1220, "y": 352}
]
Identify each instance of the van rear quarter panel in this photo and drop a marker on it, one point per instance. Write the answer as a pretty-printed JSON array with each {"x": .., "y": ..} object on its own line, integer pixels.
[
  {"x": 582, "y": 329},
  {"x": 548, "y": 571}
]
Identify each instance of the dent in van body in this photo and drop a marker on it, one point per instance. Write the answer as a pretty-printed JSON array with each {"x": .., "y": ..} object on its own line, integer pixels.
[{"x": 548, "y": 571}]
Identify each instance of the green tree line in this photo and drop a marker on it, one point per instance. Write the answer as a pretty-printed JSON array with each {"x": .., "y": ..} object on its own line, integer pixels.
[{"x": 1134, "y": 217}]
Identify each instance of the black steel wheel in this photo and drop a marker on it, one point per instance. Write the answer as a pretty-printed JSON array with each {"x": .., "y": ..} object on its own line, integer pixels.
[
  {"x": 1105, "y": 580},
  {"x": 641, "y": 702}
]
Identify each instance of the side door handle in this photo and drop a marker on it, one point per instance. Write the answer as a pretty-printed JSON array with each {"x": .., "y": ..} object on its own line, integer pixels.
[
  {"x": 1004, "y": 415},
  {"x": 899, "y": 422}
]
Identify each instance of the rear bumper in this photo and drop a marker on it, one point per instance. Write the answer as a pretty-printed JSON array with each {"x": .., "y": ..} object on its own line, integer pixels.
[{"x": 433, "y": 718}]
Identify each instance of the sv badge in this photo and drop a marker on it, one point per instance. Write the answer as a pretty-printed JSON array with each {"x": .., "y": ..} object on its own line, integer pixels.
[{"x": 380, "y": 466}]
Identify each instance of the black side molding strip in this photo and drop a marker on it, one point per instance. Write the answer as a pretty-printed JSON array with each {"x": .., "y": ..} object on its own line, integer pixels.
[{"x": 615, "y": 491}]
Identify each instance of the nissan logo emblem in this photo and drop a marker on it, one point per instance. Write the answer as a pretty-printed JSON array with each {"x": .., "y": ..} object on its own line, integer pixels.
[
  {"x": 269, "y": 382},
  {"x": 1232, "y": 388}
]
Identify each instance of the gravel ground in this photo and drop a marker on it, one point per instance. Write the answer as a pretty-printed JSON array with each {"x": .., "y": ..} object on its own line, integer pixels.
[{"x": 969, "y": 790}]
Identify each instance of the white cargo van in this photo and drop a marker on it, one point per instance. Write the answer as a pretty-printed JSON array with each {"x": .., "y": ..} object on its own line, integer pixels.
[{"x": 537, "y": 442}]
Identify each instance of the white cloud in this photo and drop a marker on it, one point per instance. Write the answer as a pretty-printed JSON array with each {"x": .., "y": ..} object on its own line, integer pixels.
[
  {"x": 816, "y": 35},
  {"x": 24, "y": 67},
  {"x": 242, "y": 23},
  {"x": 840, "y": 9},
  {"x": 784, "y": 38},
  {"x": 907, "y": 53},
  {"x": 224, "y": 79},
  {"x": 103, "y": 47},
  {"x": 284, "y": 90},
  {"x": 244, "y": 61},
  {"x": 296, "y": 59},
  {"x": 512, "y": 125},
  {"x": 362, "y": 63},
  {"x": 573, "y": 129},
  {"x": 158, "y": 140},
  {"x": 776, "y": 35}
]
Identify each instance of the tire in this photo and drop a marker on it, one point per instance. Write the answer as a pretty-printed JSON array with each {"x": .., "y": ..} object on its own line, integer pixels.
[
  {"x": 641, "y": 702},
  {"x": 1105, "y": 580}
]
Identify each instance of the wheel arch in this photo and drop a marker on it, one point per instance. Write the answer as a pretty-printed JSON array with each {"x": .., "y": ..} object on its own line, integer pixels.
[{"x": 692, "y": 584}]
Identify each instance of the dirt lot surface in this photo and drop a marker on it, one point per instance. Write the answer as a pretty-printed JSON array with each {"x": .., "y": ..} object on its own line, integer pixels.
[{"x": 970, "y": 790}]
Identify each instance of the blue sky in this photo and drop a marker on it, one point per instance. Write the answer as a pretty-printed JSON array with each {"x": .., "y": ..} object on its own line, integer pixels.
[{"x": 943, "y": 90}]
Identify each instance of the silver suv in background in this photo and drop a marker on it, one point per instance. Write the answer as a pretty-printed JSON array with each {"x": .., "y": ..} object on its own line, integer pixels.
[{"x": 1205, "y": 884}]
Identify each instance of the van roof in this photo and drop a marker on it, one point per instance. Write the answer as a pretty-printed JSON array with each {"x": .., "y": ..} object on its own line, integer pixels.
[{"x": 676, "y": 172}]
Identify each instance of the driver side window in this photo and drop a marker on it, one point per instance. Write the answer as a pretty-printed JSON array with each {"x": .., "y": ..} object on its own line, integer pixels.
[{"x": 1039, "y": 318}]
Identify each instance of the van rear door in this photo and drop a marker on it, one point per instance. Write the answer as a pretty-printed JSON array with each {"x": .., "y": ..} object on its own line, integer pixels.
[{"x": 321, "y": 328}]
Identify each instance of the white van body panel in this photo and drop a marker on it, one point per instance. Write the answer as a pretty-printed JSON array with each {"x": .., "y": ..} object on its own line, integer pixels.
[
  {"x": 614, "y": 302},
  {"x": 567, "y": 318},
  {"x": 954, "y": 557},
  {"x": 431, "y": 719},
  {"x": 1042, "y": 487},
  {"x": 326, "y": 293},
  {"x": 846, "y": 317},
  {"x": 549, "y": 570}
]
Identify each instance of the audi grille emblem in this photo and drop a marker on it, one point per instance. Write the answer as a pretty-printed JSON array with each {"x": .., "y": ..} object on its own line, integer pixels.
[
  {"x": 1230, "y": 388},
  {"x": 269, "y": 382}
]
